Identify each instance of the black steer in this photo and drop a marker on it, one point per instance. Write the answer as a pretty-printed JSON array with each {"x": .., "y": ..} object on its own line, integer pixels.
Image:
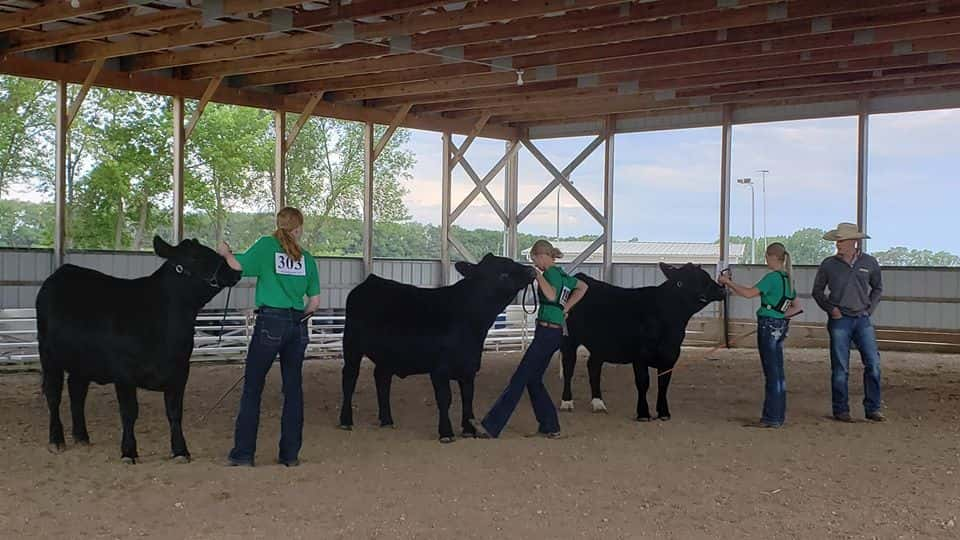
[
  {"x": 406, "y": 330},
  {"x": 133, "y": 333},
  {"x": 644, "y": 327}
]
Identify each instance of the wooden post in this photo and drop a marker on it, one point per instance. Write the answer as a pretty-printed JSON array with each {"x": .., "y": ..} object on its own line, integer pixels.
[
  {"x": 446, "y": 206},
  {"x": 863, "y": 131},
  {"x": 725, "y": 173},
  {"x": 60, "y": 187},
  {"x": 179, "y": 149},
  {"x": 280, "y": 159},
  {"x": 368, "y": 198},
  {"x": 511, "y": 202},
  {"x": 609, "y": 126}
]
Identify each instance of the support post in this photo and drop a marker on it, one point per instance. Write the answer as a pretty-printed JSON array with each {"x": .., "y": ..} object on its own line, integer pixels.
[
  {"x": 446, "y": 207},
  {"x": 60, "y": 187},
  {"x": 725, "y": 174},
  {"x": 179, "y": 152},
  {"x": 368, "y": 157},
  {"x": 863, "y": 131},
  {"x": 511, "y": 202},
  {"x": 607, "y": 274},
  {"x": 280, "y": 159}
]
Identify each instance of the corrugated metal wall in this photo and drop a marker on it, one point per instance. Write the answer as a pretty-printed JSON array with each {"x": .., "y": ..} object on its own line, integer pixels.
[{"x": 914, "y": 298}]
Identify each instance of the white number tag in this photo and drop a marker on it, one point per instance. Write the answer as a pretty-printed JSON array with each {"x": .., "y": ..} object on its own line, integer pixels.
[{"x": 290, "y": 267}]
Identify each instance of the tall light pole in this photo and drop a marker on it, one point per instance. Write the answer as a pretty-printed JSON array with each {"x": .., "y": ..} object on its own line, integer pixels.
[
  {"x": 753, "y": 218},
  {"x": 763, "y": 199}
]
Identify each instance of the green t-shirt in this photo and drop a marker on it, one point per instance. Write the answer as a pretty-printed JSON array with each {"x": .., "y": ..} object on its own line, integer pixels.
[
  {"x": 774, "y": 287},
  {"x": 551, "y": 309},
  {"x": 281, "y": 281}
]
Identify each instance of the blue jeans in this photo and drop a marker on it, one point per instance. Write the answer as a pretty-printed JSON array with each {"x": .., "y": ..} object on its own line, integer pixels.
[
  {"x": 529, "y": 375},
  {"x": 276, "y": 332},
  {"x": 843, "y": 332},
  {"x": 770, "y": 336}
]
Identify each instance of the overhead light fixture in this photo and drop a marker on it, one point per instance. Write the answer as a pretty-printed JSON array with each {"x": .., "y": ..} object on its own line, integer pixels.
[
  {"x": 519, "y": 76},
  {"x": 74, "y": 4}
]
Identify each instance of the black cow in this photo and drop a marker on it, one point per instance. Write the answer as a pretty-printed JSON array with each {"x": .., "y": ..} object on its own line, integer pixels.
[
  {"x": 644, "y": 327},
  {"x": 133, "y": 333},
  {"x": 406, "y": 330}
]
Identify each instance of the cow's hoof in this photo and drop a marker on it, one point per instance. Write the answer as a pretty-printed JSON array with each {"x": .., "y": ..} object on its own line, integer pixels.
[
  {"x": 447, "y": 440},
  {"x": 346, "y": 427},
  {"x": 180, "y": 460},
  {"x": 56, "y": 448},
  {"x": 598, "y": 405},
  {"x": 566, "y": 406},
  {"x": 644, "y": 419},
  {"x": 81, "y": 442},
  {"x": 664, "y": 418},
  {"x": 126, "y": 460},
  {"x": 390, "y": 425}
]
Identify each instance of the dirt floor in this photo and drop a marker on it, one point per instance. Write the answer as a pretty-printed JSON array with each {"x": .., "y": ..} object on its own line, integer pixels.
[{"x": 701, "y": 475}]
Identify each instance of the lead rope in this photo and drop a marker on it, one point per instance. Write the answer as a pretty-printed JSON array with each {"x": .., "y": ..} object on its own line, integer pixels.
[{"x": 223, "y": 320}]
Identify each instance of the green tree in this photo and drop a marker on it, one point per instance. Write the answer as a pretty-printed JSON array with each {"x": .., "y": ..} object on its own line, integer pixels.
[
  {"x": 229, "y": 162},
  {"x": 325, "y": 171},
  {"x": 26, "y": 131},
  {"x": 903, "y": 256},
  {"x": 127, "y": 191},
  {"x": 806, "y": 246}
]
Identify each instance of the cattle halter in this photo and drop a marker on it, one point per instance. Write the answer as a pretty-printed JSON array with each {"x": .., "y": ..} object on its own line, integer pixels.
[{"x": 212, "y": 281}]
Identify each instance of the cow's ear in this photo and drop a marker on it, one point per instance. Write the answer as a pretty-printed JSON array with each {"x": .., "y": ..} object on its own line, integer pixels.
[
  {"x": 162, "y": 248},
  {"x": 465, "y": 268},
  {"x": 667, "y": 269}
]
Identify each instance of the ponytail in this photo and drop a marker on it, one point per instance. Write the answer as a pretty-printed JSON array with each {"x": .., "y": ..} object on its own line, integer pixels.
[
  {"x": 544, "y": 247},
  {"x": 288, "y": 219},
  {"x": 779, "y": 251}
]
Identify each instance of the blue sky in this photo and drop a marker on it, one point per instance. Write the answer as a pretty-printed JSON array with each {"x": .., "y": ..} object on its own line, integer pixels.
[{"x": 667, "y": 183}]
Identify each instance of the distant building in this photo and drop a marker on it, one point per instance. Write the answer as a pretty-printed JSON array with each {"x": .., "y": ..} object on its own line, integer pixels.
[{"x": 650, "y": 252}]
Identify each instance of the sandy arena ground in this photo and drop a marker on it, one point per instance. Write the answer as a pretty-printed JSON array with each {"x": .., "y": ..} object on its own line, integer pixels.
[{"x": 701, "y": 475}]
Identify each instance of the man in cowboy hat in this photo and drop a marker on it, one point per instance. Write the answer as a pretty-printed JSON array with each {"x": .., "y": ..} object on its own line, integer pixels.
[{"x": 853, "y": 278}]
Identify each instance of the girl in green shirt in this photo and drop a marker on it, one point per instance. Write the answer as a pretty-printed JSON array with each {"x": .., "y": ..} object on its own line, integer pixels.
[
  {"x": 558, "y": 294},
  {"x": 285, "y": 273},
  {"x": 777, "y": 305}
]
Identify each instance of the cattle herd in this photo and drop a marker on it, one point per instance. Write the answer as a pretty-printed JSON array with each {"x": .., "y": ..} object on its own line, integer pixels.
[{"x": 138, "y": 333}]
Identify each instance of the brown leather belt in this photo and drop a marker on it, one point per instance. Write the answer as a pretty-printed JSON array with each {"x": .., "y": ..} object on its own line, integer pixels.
[{"x": 548, "y": 325}]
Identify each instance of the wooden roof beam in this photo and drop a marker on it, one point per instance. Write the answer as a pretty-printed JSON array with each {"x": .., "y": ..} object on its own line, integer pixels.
[
  {"x": 634, "y": 104},
  {"x": 55, "y": 11},
  {"x": 482, "y": 13},
  {"x": 478, "y": 46},
  {"x": 410, "y": 91},
  {"x": 242, "y": 29},
  {"x": 706, "y": 74},
  {"x": 76, "y": 73}
]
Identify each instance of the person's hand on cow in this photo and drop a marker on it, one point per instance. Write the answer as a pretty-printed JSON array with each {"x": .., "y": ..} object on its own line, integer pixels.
[{"x": 224, "y": 248}]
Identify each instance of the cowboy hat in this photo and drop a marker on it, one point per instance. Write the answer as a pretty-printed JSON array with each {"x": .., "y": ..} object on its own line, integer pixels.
[{"x": 844, "y": 231}]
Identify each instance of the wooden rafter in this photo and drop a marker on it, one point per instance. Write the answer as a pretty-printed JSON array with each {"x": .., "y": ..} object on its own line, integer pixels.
[
  {"x": 394, "y": 124},
  {"x": 205, "y": 98},
  {"x": 302, "y": 120},
  {"x": 82, "y": 94},
  {"x": 585, "y": 59},
  {"x": 462, "y": 151},
  {"x": 23, "y": 67}
]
